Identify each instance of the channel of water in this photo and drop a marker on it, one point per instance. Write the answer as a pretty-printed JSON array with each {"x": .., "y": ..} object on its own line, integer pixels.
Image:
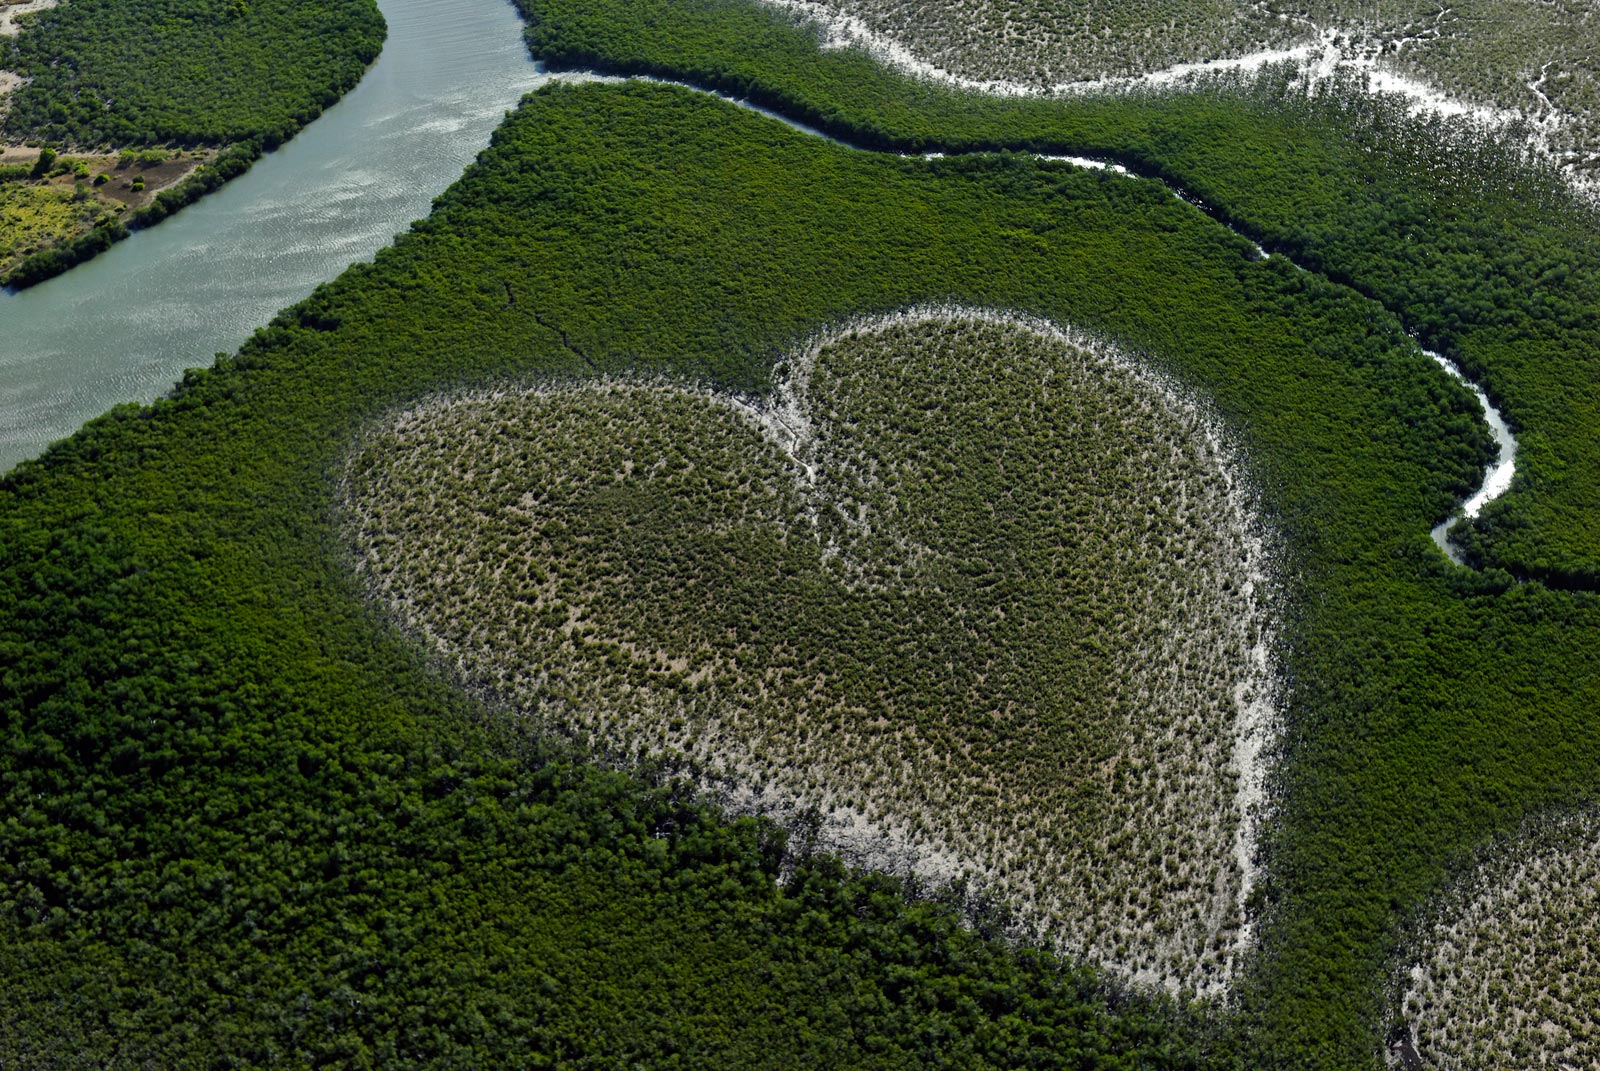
[
  {"x": 124, "y": 326},
  {"x": 1496, "y": 479}
]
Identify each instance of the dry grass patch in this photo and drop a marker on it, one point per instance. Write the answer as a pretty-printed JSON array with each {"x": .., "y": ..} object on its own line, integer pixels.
[
  {"x": 1506, "y": 973},
  {"x": 967, "y": 595},
  {"x": 80, "y": 191},
  {"x": 1494, "y": 61},
  {"x": 36, "y": 215},
  {"x": 1038, "y": 44}
]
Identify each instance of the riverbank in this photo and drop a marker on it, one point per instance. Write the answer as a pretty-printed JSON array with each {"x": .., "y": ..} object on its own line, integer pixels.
[
  {"x": 89, "y": 216},
  {"x": 665, "y": 231},
  {"x": 48, "y": 209},
  {"x": 93, "y": 93}
]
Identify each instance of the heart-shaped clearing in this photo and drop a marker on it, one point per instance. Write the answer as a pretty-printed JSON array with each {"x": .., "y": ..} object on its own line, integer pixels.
[{"x": 982, "y": 595}]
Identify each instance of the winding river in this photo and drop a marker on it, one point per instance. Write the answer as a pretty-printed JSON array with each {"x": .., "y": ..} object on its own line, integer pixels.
[
  {"x": 124, "y": 326},
  {"x": 1496, "y": 478}
]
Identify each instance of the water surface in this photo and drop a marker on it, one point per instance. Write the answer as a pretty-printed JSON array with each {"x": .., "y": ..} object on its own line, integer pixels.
[{"x": 124, "y": 326}]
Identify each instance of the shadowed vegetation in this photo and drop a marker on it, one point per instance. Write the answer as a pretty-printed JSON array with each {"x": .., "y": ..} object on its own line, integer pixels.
[
  {"x": 1487, "y": 260},
  {"x": 235, "y": 799},
  {"x": 245, "y": 821}
]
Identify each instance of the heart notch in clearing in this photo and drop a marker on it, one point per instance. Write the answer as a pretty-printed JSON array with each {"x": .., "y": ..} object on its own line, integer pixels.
[{"x": 982, "y": 595}]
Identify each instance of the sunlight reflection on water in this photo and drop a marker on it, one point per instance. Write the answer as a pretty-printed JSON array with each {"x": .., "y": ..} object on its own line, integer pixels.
[{"x": 124, "y": 326}]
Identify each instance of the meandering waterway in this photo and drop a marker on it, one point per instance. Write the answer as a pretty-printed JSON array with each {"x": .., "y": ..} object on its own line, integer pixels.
[
  {"x": 124, "y": 326},
  {"x": 1496, "y": 478}
]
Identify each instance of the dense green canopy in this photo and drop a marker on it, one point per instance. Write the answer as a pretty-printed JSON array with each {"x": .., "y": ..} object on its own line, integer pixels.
[
  {"x": 139, "y": 72},
  {"x": 245, "y": 819}
]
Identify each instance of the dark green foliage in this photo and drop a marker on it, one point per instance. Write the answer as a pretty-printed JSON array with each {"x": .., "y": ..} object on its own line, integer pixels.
[
  {"x": 192, "y": 72},
  {"x": 1476, "y": 253},
  {"x": 244, "y": 74},
  {"x": 1423, "y": 723},
  {"x": 193, "y": 693},
  {"x": 42, "y": 166}
]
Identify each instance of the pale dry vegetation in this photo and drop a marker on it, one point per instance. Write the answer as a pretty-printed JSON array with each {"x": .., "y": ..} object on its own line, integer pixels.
[
  {"x": 35, "y": 215},
  {"x": 1039, "y": 44},
  {"x": 1507, "y": 971},
  {"x": 1537, "y": 58},
  {"x": 1496, "y": 60},
  {"x": 965, "y": 596}
]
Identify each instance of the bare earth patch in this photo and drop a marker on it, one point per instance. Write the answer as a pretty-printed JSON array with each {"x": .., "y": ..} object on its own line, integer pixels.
[
  {"x": 91, "y": 189},
  {"x": 967, "y": 596},
  {"x": 11, "y": 12}
]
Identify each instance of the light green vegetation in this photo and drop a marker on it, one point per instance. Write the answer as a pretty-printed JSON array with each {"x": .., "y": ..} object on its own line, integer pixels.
[
  {"x": 52, "y": 204},
  {"x": 35, "y": 215},
  {"x": 236, "y": 77},
  {"x": 1507, "y": 968},
  {"x": 988, "y": 605}
]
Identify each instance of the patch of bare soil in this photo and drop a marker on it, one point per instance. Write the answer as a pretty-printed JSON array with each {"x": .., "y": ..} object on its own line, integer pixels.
[
  {"x": 120, "y": 186},
  {"x": 10, "y": 10}
]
